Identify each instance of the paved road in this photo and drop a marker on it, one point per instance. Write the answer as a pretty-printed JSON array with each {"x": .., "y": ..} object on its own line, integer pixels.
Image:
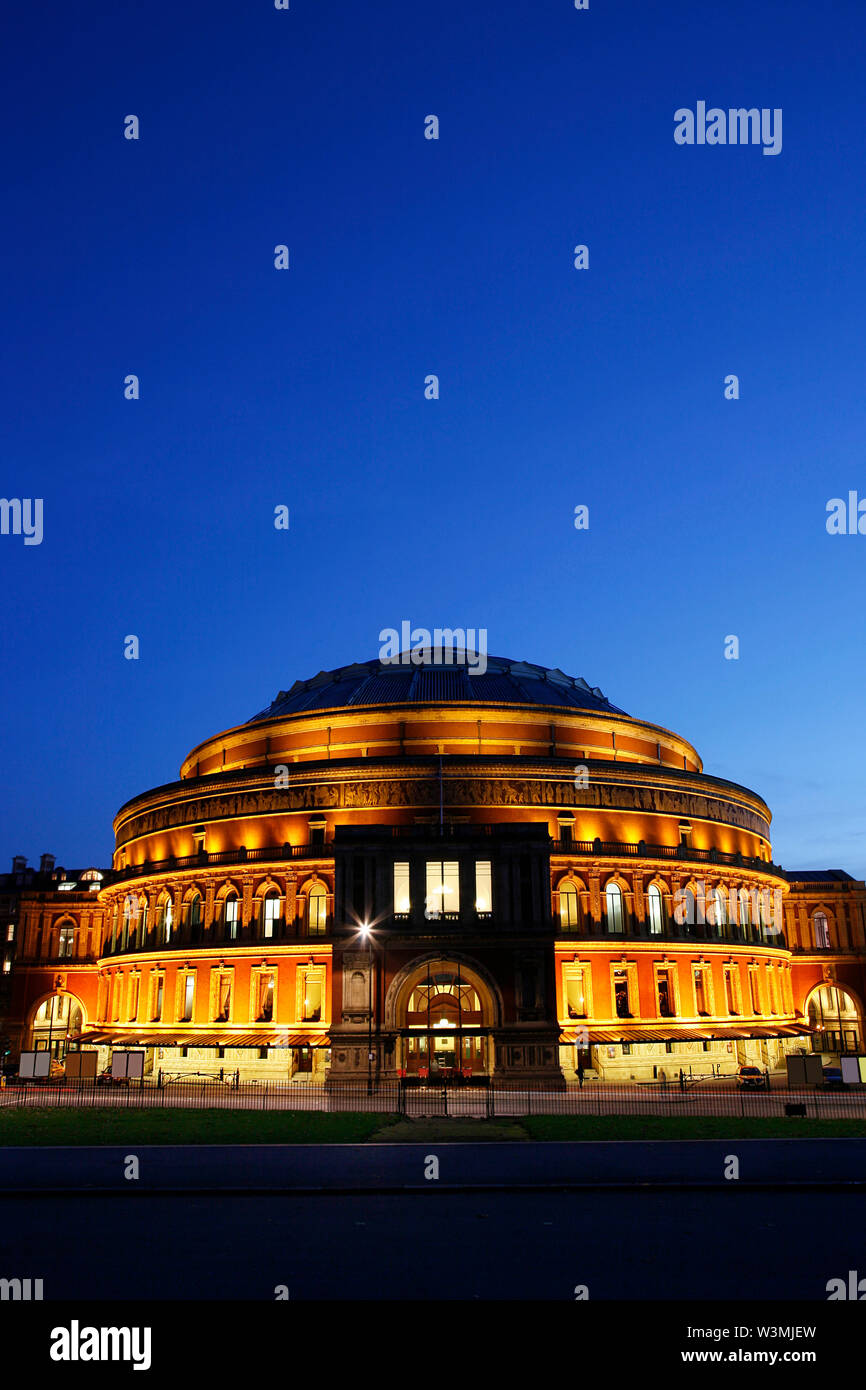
[
  {"x": 317, "y": 1168},
  {"x": 730, "y": 1244}
]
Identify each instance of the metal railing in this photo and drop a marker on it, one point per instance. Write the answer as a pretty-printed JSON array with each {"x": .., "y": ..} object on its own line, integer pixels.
[{"x": 479, "y": 1098}]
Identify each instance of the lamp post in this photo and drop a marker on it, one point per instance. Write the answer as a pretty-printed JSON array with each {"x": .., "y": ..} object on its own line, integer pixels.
[{"x": 365, "y": 932}]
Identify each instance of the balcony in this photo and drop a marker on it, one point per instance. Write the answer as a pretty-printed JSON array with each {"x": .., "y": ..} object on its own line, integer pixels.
[
  {"x": 634, "y": 929},
  {"x": 628, "y": 849},
  {"x": 218, "y": 937},
  {"x": 203, "y": 860}
]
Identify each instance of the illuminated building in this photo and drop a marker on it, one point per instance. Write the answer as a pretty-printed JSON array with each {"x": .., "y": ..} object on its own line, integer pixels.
[{"x": 416, "y": 870}]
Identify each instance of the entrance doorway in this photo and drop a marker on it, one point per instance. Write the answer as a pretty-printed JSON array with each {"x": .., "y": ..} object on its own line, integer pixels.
[{"x": 445, "y": 1037}]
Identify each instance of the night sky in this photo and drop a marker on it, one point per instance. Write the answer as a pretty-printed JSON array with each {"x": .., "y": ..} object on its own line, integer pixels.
[{"x": 408, "y": 256}]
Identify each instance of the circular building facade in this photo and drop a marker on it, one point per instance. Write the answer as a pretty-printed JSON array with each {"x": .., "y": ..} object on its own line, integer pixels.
[{"x": 418, "y": 870}]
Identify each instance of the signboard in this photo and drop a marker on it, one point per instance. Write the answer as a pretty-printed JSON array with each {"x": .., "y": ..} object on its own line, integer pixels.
[
  {"x": 33, "y": 1066},
  {"x": 81, "y": 1066},
  {"x": 129, "y": 1065},
  {"x": 852, "y": 1068}
]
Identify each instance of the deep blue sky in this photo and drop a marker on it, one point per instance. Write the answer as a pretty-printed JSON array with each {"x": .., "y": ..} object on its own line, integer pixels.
[{"x": 408, "y": 256}]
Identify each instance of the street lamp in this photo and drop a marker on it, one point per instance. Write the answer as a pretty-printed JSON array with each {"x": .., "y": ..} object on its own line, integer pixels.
[{"x": 365, "y": 932}]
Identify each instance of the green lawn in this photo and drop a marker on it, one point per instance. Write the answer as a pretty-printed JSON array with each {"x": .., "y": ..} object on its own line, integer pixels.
[
  {"x": 178, "y": 1126},
  {"x": 684, "y": 1127},
  {"x": 218, "y": 1126}
]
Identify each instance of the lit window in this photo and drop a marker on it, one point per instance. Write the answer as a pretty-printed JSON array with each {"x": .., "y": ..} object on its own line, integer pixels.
[
  {"x": 483, "y": 886},
  {"x": 230, "y": 916},
  {"x": 822, "y": 931},
  {"x": 312, "y": 999},
  {"x": 719, "y": 912},
  {"x": 10, "y": 932},
  {"x": 613, "y": 899},
  {"x": 317, "y": 910},
  {"x": 265, "y": 998},
  {"x": 402, "y": 897},
  {"x": 66, "y": 943},
  {"x": 443, "y": 887},
  {"x": 188, "y": 998},
  {"x": 223, "y": 999},
  {"x": 575, "y": 994},
  {"x": 655, "y": 907},
  {"x": 569, "y": 906},
  {"x": 271, "y": 913}
]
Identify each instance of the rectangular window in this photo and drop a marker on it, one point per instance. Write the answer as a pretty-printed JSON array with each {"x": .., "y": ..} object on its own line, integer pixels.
[
  {"x": 621, "y": 994},
  {"x": 188, "y": 998},
  {"x": 158, "y": 987},
  {"x": 443, "y": 887},
  {"x": 223, "y": 1002},
  {"x": 402, "y": 898},
  {"x": 701, "y": 1006},
  {"x": 575, "y": 995},
  {"x": 755, "y": 992},
  {"x": 566, "y": 835},
  {"x": 265, "y": 998},
  {"x": 626, "y": 1049},
  {"x": 312, "y": 1000},
  {"x": 731, "y": 992},
  {"x": 7, "y": 965},
  {"x": 10, "y": 932},
  {"x": 66, "y": 943},
  {"x": 664, "y": 988},
  {"x": 134, "y": 987},
  {"x": 483, "y": 886}
]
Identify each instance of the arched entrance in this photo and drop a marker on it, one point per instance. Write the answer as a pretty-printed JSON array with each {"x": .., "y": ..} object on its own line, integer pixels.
[
  {"x": 444, "y": 1012},
  {"x": 56, "y": 1022},
  {"x": 834, "y": 1017}
]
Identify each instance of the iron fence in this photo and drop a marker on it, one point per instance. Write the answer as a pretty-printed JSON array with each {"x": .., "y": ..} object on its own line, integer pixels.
[{"x": 490, "y": 1101}]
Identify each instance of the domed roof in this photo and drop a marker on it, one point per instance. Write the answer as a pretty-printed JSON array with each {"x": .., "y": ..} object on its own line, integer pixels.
[{"x": 504, "y": 682}]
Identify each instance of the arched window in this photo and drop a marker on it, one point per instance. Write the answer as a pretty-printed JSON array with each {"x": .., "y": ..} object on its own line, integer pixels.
[
  {"x": 164, "y": 918},
  {"x": 613, "y": 900},
  {"x": 317, "y": 909},
  {"x": 230, "y": 916},
  {"x": 744, "y": 907},
  {"x": 720, "y": 915},
  {"x": 569, "y": 906},
  {"x": 655, "y": 910},
  {"x": 271, "y": 913},
  {"x": 821, "y": 929},
  {"x": 195, "y": 910},
  {"x": 690, "y": 913},
  {"x": 143, "y": 915}
]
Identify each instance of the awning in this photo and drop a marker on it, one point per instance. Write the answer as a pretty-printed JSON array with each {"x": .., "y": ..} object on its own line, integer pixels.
[
  {"x": 652, "y": 1034},
  {"x": 265, "y": 1038}
]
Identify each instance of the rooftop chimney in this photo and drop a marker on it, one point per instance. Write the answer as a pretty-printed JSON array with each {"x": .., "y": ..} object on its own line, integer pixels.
[
  {"x": 46, "y": 864},
  {"x": 19, "y": 863}
]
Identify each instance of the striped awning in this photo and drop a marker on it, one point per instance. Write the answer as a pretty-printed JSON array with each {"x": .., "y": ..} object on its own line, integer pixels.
[
  {"x": 653, "y": 1034},
  {"x": 264, "y": 1038}
]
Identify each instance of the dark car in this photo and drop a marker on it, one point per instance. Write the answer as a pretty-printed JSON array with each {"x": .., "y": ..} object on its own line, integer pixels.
[{"x": 751, "y": 1078}]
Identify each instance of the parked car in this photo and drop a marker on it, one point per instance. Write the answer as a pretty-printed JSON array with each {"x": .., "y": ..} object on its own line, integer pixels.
[
  {"x": 751, "y": 1078},
  {"x": 833, "y": 1078}
]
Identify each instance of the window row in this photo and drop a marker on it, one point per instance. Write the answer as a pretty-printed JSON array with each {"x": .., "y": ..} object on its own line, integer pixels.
[
  {"x": 769, "y": 991},
  {"x": 442, "y": 888},
  {"x": 743, "y": 907},
  {"x": 268, "y": 909},
  {"x": 127, "y": 999}
]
